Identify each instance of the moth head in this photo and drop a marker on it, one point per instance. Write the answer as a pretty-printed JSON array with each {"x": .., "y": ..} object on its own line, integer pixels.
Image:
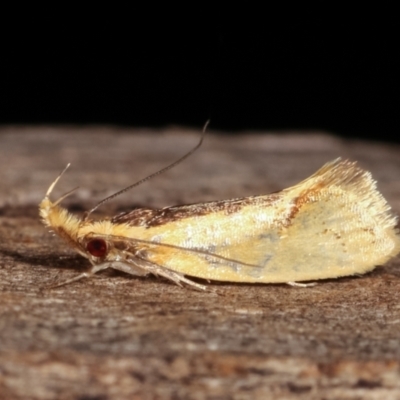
[
  {"x": 101, "y": 247},
  {"x": 58, "y": 218}
]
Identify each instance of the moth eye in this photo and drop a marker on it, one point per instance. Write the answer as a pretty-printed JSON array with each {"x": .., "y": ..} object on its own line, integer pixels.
[{"x": 97, "y": 247}]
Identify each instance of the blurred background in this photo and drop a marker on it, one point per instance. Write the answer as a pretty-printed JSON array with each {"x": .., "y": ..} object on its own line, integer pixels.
[{"x": 339, "y": 76}]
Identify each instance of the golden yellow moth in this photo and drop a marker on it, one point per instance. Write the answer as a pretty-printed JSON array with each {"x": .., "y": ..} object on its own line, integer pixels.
[{"x": 332, "y": 224}]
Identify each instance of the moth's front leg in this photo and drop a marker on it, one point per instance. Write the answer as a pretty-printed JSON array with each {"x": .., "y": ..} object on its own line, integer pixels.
[
  {"x": 135, "y": 265},
  {"x": 93, "y": 270},
  {"x": 128, "y": 267}
]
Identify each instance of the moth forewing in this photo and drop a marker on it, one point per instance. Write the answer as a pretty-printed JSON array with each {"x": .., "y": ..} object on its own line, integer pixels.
[{"x": 334, "y": 223}]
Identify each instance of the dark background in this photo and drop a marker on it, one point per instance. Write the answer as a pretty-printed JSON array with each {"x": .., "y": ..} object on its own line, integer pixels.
[{"x": 339, "y": 77}]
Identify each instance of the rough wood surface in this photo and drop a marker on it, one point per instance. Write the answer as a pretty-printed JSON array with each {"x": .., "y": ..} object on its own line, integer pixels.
[{"x": 116, "y": 337}]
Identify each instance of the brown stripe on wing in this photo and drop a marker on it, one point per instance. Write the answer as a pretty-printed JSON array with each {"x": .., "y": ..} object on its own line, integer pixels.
[
  {"x": 155, "y": 217},
  {"x": 136, "y": 217}
]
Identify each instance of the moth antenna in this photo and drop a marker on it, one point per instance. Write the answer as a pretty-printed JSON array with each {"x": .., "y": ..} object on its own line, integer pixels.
[
  {"x": 57, "y": 179},
  {"x": 151, "y": 176}
]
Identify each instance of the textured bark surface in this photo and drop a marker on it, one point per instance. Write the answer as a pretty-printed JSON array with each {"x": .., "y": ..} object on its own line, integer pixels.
[{"x": 115, "y": 336}]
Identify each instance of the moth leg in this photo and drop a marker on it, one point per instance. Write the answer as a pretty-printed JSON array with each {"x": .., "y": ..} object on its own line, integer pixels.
[
  {"x": 178, "y": 278},
  {"x": 298, "y": 284},
  {"x": 87, "y": 274},
  {"x": 145, "y": 267},
  {"x": 129, "y": 268}
]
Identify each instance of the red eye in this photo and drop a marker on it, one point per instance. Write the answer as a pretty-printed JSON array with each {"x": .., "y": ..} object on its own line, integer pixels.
[{"x": 97, "y": 247}]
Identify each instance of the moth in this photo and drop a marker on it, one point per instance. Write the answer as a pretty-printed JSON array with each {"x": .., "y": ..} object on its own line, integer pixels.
[{"x": 334, "y": 223}]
